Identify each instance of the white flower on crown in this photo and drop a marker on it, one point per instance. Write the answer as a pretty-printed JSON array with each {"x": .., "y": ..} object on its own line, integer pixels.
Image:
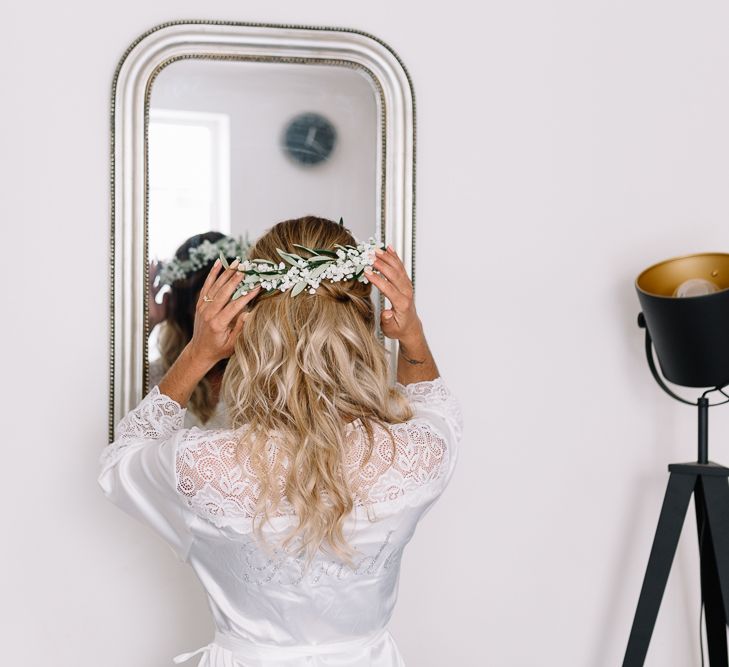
[
  {"x": 344, "y": 263},
  {"x": 201, "y": 255}
]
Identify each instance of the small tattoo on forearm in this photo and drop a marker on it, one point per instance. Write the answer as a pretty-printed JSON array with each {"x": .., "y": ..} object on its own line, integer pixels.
[{"x": 410, "y": 361}]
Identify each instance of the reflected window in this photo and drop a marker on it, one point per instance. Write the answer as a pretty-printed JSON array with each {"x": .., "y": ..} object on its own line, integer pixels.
[{"x": 189, "y": 177}]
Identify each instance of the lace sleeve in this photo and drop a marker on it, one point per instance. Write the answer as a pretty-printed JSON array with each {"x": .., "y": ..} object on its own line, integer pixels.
[
  {"x": 434, "y": 402},
  {"x": 156, "y": 417},
  {"x": 137, "y": 470}
]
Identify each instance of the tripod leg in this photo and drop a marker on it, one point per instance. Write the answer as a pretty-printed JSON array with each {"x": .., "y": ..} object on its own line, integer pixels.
[
  {"x": 715, "y": 564},
  {"x": 673, "y": 512}
]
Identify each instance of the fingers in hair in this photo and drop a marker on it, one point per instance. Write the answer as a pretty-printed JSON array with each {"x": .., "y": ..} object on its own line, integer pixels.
[
  {"x": 232, "y": 308},
  {"x": 396, "y": 297},
  {"x": 223, "y": 281},
  {"x": 395, "y": 274}
]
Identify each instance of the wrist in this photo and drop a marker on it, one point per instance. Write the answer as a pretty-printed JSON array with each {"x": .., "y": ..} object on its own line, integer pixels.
[
  {"x": 414, "y": 340},
  {"x": 193, "y": 359}
]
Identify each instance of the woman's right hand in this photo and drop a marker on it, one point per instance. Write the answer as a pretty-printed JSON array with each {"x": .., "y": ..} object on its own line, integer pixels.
[{"x": 401, "y": 322}]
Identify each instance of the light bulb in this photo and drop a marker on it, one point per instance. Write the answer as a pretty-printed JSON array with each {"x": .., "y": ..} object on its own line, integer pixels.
[{"x": 695, "y": 287}]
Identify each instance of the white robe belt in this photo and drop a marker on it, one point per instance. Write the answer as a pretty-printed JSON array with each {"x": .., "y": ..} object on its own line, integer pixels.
[{"x": 236, "y": 648}]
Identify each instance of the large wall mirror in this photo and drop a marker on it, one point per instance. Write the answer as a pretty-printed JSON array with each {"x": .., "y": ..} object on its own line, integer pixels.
[{"x": 225, "y": 129}]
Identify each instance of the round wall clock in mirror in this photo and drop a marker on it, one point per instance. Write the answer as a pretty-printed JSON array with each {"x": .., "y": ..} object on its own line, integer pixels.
[
  {"x": 309, "y": 138},
  {"x": 200, "y": 113}
]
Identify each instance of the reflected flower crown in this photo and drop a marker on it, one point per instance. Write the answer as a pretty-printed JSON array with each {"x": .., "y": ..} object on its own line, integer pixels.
[
  {"x": 346, "y": 263},
  {"x": 201, "y": 255}
]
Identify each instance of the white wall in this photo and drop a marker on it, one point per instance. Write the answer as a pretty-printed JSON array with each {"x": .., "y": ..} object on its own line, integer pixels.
[{"x": 562, "y": 147}]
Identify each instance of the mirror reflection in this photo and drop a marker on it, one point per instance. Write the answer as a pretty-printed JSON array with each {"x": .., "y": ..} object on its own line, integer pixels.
[{"x": 232, "y": 148}]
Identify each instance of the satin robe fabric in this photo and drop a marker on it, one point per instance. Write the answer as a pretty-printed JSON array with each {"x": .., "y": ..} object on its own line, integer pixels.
[{"x": 270, "y": 610}]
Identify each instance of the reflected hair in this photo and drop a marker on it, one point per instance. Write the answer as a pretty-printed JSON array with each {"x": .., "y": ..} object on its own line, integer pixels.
[{"x": 300, "y": 367}]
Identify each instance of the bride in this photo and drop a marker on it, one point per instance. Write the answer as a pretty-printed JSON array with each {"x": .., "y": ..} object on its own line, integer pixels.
[{"x": 295, "y": 517}]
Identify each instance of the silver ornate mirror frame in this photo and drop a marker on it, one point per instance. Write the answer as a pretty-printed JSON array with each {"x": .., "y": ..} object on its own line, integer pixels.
[{"x": 131, "y": 87}]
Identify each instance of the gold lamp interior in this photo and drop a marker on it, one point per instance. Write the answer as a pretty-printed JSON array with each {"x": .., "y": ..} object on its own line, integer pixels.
[{"x": 663, "y": 279}]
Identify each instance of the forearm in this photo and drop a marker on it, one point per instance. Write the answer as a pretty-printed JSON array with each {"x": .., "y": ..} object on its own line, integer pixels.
[
  {"x": 183, "y": 376},
  {"x": 415, "y": 362}
]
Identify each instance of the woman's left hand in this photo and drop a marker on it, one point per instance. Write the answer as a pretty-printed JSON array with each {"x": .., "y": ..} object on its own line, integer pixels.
[{"x": 218, "y": 322}]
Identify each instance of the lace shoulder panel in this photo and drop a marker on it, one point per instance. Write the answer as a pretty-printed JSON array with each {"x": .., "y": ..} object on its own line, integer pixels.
[
  {"x": 210, "y": 476},
  {"x": 419, "y": 457},
  {"x": 219, "y": 488}
]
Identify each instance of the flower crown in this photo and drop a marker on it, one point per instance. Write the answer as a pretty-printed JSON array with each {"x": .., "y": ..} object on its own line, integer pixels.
[
  {"x": 200, "y": 255},
  {"x": 346, "y": 263}
]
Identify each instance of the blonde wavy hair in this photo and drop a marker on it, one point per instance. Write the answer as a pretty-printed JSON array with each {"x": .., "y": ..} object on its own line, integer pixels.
[{"x": 303, "y": 366}]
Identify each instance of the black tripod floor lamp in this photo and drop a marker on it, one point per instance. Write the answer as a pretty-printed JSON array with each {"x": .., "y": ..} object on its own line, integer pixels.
[{"x": 685, "y": 304}]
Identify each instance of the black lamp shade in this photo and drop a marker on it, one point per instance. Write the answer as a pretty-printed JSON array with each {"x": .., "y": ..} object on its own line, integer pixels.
[{"x": 690, "y": 334}]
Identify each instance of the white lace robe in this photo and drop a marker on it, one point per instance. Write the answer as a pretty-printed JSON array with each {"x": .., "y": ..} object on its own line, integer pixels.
[{"x": 269, "y": 610}]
